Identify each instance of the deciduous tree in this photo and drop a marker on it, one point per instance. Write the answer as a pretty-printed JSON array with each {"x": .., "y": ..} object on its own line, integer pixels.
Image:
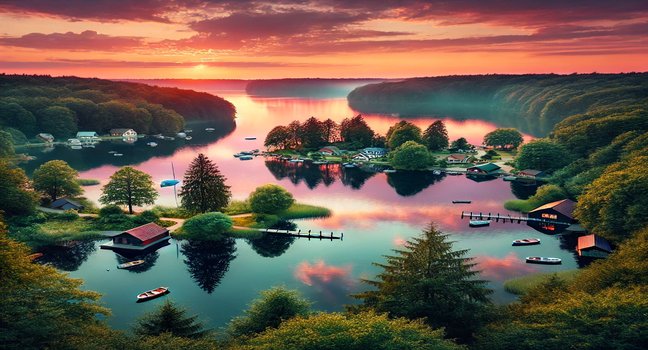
[
  {"x": 356, "y": 130},
  {"x": 204, "y": 188},
  {"x": 460, "y": 144},
  {"x": 435, "y": 136},
  {"x": 410, "y": 156},
  {"x": 129, "y": 186},
  {"x": 402, "y": 132},
  {"x": 56, "y": 179},
  {"x": 270, "y": 199},
  {"x": 542, "y": 154},
  {"x": 16, "y": 194},
  {"x": 506, "y": 138},
  {"x": 278, "y": 137}
]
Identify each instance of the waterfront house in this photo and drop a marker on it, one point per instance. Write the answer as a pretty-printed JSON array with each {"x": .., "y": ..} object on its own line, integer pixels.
[
  {"x": 457, "y": 158},
  {"x": 593, "y": 246},
  {"x": 139, "y": 238},
  {"x": 65, "y": 204},
  {"x": 531, "y": 173},
  {"x": 330, "y": 151},
  {"x": 87, "y": 136},
  {"x": 491, "y": 169},
  {"x": 561, "y": 211},
  {"x": 370, "y": 153},
  {"x": 125, "y": 133},
  {"x": 49, "y": 138}
]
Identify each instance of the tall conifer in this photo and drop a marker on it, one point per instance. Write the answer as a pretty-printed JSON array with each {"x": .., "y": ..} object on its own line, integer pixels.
[{"x": 204, "y": 188}]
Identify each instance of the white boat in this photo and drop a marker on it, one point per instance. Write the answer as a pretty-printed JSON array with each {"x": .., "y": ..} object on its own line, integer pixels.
[
  {"x": 117, "y": 154},
  {"x": 186, "y": 131},
  {"x": 209, "y": 129},
  {"x": 76, "y": 147},
  {"x": 436, "y": 172},
  {"x": 181, "y": 135},
  {"x": 479, "y": 223},
  {"x": 130, "y": 264},
  {"x": 526, "y": 241},
  {"x": 159, "y": 136},
  {"x": 320, "y": 162},
  {"x": 389, "y": 171},
  {"x": 250, "y": 138},
  {"x": 153, "y": 293},
  {"x": 245, "y": 157},
  {"x": 543, "y": 260},
  {"x": 112, "y": 152},
  {"x": 74, "y": 142},
  {"x": 188, "y": 138},
  {"x": 152, "y": 144},
  {"x": 297, "y": 160}
]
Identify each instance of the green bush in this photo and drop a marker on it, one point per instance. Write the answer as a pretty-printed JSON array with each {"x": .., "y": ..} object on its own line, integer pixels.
[
  {"x": 146, "y": 217},
  {"x": 209, "y": 226},
  {"x": 238, "y": 207},
  {"x": 170, "y": 212},
  {"x": 270, "y": 199},
  {"x": 110, "y": 210},
  {"x": 68, "y": 215}
]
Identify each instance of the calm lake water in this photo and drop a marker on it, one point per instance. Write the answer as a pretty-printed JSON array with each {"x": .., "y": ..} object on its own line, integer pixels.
[{"x": 377, "y": 212}]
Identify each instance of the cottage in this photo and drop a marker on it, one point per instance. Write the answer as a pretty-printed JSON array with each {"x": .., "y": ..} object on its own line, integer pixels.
[
  {"x": 531, "y": 173},
  {"x": 561, "y": 211},
  {"x": 457, "y": 158},
  {"x": 65, "y": 204},
  {"x": 484, "y": 169},
  {"x": 330, "y": 151},
  {"x": 49, "y": 138},
  {"x": 593, "y": 246},
  {"x": 87, "y": 136},
  {"x": 139, "y": 238},
  {"x": 125, "y": 133},
  {"x": 374, "y": 152}
]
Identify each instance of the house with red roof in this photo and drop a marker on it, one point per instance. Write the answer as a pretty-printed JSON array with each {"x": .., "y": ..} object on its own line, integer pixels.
[{"x": 139, "y": 238}]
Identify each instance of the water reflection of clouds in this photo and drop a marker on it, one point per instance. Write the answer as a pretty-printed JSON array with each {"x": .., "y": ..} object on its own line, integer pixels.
[
  {"x": 501, "y": 269},
  {"x": 331, "y": 284}
]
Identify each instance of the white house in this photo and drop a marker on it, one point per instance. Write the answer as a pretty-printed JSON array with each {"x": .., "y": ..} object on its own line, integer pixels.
[
  {"x": 87, "y": 136},
  {"x": 457, "y": 158},
  {"x": 374, "y": 152},
  {"x": 125, "y": 133}
]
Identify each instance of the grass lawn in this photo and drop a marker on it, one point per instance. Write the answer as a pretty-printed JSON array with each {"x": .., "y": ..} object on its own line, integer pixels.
[
  {"x": 303, "y": 211},
  {"x": 521, "y": 285}
]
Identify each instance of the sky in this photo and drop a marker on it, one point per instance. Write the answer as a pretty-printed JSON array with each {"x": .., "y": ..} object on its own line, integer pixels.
[{"x": 248, "y": 39}]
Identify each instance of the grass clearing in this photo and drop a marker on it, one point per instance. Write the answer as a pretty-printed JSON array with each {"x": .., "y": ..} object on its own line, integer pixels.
[
  {"x": 521, "y": 285},
  {"x": 303, "y": 211},
  {"x": 521, "y": 205}
]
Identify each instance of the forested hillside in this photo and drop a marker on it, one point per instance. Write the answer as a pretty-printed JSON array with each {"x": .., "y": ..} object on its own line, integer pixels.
[
  {"x": 532, "y": 103},
  {"x": 31, "y": 104}
]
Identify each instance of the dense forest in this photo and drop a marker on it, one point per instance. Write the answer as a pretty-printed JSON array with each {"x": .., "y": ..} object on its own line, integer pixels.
[
  {"x": 31, "y": 104},
  {"x": 315, "y": 88},
  {"x": 532, "y": 103}
]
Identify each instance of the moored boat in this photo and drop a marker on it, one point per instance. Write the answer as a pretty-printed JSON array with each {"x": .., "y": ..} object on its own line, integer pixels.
[
  {"x": 209, "y": 129},
  {"x": 436, "y": 172},
  {"x": 543, "y": 260},
  {"x": 152, "y": 144},
  {"x": 509, "y": 178},
  {"x": 130, "y": 264},
  {"x": 245, "y": 157},
  {"x": 461, "y": 202},
  {"x": 388, "y": 171},
  {"x": 117, "y": 154},
  {"x": 188, "y": 138},
  {"x": 153, "y": 293},
  {"x": 526, "y": 241},
  {"x": 479, "y": 223},
  {"x": 250, "y": 138}
]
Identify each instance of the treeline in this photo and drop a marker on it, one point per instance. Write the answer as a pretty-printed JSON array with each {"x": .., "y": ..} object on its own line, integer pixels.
[
  {"x": 532, "y": 103},
  {"x": 317, "y": 88},
  {"x": 31, "y": 104}
]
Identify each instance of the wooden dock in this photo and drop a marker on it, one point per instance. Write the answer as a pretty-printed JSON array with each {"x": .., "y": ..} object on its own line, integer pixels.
[
  {"x": 306, "y": 234},
  {"x": 511, "y": 219}
]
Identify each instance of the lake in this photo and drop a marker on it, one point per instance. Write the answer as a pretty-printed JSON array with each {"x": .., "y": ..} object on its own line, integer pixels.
[{"x": 377, "y": 212}]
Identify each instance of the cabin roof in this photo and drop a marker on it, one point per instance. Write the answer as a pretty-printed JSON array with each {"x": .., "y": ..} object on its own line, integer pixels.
[
  {"x": 458, "y": 156},
  {"x": 531, "y": 172},
  {"x": 564, "y": 206},
  {"x": 62, "y": 201},
  {"x": 488, "y": 167},
  {"x": 146, "y": 232},
  {"x": 591, "y": 241},
  {"x": 86, "y": 133},
  {"x": 119, "y": 130}
]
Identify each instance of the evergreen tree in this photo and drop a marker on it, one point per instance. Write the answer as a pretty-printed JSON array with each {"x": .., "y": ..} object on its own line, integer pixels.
[
  {"x": 435, "y": 137},
  {"x": 56, "y": 179},
  {"x": 428, "y": 279},
  {"x": 170, "y": 319},
  {"x": 129, "y": 186},
  {"x": 204, "y": 187}
]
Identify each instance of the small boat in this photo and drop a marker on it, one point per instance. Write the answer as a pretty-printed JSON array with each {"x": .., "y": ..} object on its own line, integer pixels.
[
  {"x": 152, "y": 144},
  {"x": 181, "y": 135},
  {"x": 117, "y": 154},
  {"x": 168, "y": 183},
  {"x": 296, "y": 160},
  {"x": 209, "y": 129},
  {"x": 436, "y": 172},
  {"x": 349, "y": 165},
  {"x": 246, "y": 153},
  {"x": 76, "y": 147},
  {"x": 461, "y": 202},
  {"x": 388, "y": 171},
  {"x": 159, "y": 136},
  {"x": 130, "y": 264},
  {"x": 479, "y": 223},
  {"x": 509, "y": 178},
  {"x": 543, "y": 260},
  {"x": 188, "y": 131},
  {"x": 112, "y": 152},
  {"x": 249, "y": 138},
  {"x": 453, "y": 173},
  {"x": 237, "y": 155},
  {"x": 153, "y": 293},
  {"x": 526, "y": 241},
  {"x": 74, "y": 141},
  {"x": 255, "y": 150},
  {"x": 246, "y": 157},
  {"x": 188, "y": 138}
]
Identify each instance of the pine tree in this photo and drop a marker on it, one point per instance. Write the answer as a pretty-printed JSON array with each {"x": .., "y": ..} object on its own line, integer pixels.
[
  {"x": 170, "y": 319},
  {"x": 435, "y": 136},
  {"x": 204, "y": 187},
  {"x": 429, "y": 280}
]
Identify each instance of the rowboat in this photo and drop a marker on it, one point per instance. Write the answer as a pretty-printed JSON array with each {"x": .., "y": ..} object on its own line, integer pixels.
[
  {"x": 129, "y": 264},
  {"x": 153, "y": 293},
  {"x": 461, "y": 202},
  {"x": 245, "y": 157},
  {"x": 543, "y": 260},
  {"x": 249, "y": 138},
  {"x": 526, "y": 241},
  {"x": 479, "y": 223},
  {"x": 209, "y": 129}
]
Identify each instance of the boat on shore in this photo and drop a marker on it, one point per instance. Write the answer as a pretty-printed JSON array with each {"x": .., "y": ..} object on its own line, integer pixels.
[
  {"x": 526, "y": 241},
  {"x": 543, "y": 260},
  {"x": 479, "y": 223},
  {"x": 130, "y": 264},
  {"x": 152, "y": 294},
  {"x": 461, "y": 202}
]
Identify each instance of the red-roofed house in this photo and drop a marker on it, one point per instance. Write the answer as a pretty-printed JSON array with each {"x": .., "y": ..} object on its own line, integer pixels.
[
  {"x": 140, "y": 238},
  {"x": 593, "y": 246},
  {"x": 457, "y": 158}
]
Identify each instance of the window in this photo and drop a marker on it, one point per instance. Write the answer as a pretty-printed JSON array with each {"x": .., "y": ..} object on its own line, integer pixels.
[{"x": 549, "y": 216}]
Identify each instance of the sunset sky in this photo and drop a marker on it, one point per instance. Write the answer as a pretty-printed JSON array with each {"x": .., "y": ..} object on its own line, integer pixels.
[{"x": 330, "y": 38}]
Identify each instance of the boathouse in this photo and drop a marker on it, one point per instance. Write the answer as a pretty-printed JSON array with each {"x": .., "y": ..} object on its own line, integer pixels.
[
  {"x": 491, "y": 169},
  {"x": 140, "y": 238},
  {"x": 125, "y": 133},
  {"x": 593, "y": 246},
  {"x": 87, "y": 136},
  {"x": 561, "y": 211},
  {"x": 65, "y": 204},
  {"x": 457, "y": 158},
  {"x": 330, "y": 151},
  {"x": 531, "y": 173}
]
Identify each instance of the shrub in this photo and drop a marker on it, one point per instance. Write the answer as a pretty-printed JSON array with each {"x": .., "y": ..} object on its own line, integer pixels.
[
  {"x": 145, "y": 217},
  {"x": 212, "y": 226},
  {"x": 110, "y": 210},
  {"x": 270, "y": 199}
]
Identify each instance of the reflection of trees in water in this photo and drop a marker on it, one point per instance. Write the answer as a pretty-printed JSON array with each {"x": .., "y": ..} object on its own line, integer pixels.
[
  {"x": 150, "y": 258},
  {"x": 68, "y": 258},
  {"x": 313, "y": 174},
  {"x": 271, "y": 245},
  {"x": 356, "y": 177},
  {"x": 409, "y": 183},
  {"x": 90, "y": 158},
  {"x": 523, "y": 190},
  {"x": 208, "y": 261}
]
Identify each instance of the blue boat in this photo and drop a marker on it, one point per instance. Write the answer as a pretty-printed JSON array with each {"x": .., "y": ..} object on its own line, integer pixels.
[{"x": 168, "y": 183}]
